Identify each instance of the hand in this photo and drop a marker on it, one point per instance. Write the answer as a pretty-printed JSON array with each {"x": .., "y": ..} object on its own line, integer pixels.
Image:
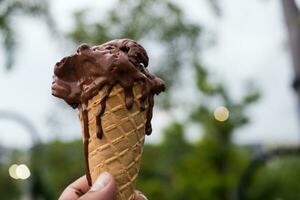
[{"x": 103, "y": 189}]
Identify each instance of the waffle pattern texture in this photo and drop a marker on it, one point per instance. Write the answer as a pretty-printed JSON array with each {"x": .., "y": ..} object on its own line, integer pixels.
[{"x": 119, "y": 151}]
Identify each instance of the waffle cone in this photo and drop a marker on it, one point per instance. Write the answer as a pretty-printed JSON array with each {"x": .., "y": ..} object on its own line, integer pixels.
[{"x": 119, "y": 150}]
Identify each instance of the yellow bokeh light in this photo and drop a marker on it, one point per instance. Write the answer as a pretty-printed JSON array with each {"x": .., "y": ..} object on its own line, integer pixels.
[
  {"x": 221, "y": 113},
  {"x": 12, "y": 171},
  {"x": 23, "y": 172}
]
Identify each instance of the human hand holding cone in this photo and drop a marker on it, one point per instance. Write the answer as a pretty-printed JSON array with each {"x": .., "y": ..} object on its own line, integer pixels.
[{"x": 114, "y": 93}]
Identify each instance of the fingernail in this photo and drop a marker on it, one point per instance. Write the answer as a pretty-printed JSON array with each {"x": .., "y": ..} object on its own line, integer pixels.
[
  {"x": 141, "y": 195},
  {"x": 101, "y": 181}
]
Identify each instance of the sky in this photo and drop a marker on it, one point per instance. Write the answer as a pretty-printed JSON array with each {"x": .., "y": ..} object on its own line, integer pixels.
[{"x": 251, "y": 44}]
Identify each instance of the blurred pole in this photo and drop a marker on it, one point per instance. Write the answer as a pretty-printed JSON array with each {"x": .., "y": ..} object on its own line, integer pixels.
[
  {"x": 291, "y": 16},
  {"x": 30, "y": 128}
]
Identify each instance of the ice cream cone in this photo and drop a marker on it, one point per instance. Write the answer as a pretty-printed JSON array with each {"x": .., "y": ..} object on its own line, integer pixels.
[
  {"x": 115, "y": 119},
  {"x": 120, "y": 148}
]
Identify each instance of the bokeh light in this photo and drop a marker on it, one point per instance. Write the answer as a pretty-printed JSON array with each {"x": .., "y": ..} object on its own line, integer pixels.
[
  {"x": 221, "y": 113},
  {"x": 12, "y": 171},
  {"x": 23, "y": 172},
  {"x": 19, "y": 171}
]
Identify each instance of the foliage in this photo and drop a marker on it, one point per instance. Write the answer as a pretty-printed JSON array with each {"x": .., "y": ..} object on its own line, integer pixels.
[
  {"x": 184, "y": 170},
  {"x": 209, "y": 168},
  {"x": 9, "y": 188},
  {"x": 172, "y": 169},
  {"x": 10, "y": 9},
  {"x": 278, "y": 179},
  {"x": 189, "y": 173},
  {"x": 157, "y": 177},
  {"x": 54, "y": 166}
]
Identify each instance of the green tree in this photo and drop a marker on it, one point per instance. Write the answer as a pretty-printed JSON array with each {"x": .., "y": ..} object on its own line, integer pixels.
[
  {"x": 207, "y": 169},
  {"x": 219, "y": 162},
  {"x": 277, "y": 179},
  {"x": 11, "y": 9},
  {"x": 9, "y": 188},
  {"x": 54, "y": 166},
  {"x": 160, "y": 163},
  {"x": 210, "y": 168}
]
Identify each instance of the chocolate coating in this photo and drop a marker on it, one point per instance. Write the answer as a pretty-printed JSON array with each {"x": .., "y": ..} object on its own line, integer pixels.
[{"x": 79, "y": 77}]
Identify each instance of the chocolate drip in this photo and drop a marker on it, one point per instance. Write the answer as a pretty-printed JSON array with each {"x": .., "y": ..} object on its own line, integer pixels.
[
  {"x": 86, "y": 138},
  {"x": 79, "y": 77},
  {"x": 99, "y": 129},
  {"x": 129, "y": 99},
  {"x": 149, "y": 115}
]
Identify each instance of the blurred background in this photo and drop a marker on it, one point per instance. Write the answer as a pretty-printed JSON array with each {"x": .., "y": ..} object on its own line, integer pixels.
[{"x": 226, "y": 128}]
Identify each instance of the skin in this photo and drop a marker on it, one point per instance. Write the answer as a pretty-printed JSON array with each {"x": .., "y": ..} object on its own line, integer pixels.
[{"x": 80, "y": 190}]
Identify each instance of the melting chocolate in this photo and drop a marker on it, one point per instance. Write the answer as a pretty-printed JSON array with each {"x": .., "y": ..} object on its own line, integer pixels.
[
  {"x": 79, "y": 77},
  {"x": 99, "y": 130},
  {"x": 86, "y": 138}
]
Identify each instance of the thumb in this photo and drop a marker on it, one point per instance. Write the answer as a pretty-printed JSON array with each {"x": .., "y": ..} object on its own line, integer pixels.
[
  {"x": 140, "y": 196},
  {"x": 103, "y": 188}
]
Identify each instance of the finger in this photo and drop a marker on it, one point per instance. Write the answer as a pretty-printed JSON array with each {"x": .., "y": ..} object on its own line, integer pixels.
[
  {"x": 140, "y": 196},
  {"x": 103, "y": 189},
  {"x": 75, "y": 189}
]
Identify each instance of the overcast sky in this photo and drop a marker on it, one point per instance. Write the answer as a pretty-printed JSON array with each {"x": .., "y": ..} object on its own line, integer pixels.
[{"x": 251, "y": 44}]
